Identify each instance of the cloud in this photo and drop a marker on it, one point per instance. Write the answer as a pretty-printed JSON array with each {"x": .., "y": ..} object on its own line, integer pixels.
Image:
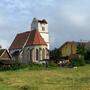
[
  {"x": 68, "y": 19},
  {"x": 4, "y": 43},
  {"x": 78, "y": 20}
]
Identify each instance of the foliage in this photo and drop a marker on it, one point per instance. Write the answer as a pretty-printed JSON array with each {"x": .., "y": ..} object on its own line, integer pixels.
[
  {"x": 81, "y": 61},
  {"x": 55, "y": 54},
  {"x": 31, "y": 66},
  {"x": 87, "y": 56},
  {"x": 52, "y": 65},
  {"x": 35, "y": 66},
  {"x": 74, "y": 62},
  {"x": 81, "y": 52},
  {"x": 15, "y": 66},
  {"x": 81, "y": 49},
  {"x": 78, "y": 61}
]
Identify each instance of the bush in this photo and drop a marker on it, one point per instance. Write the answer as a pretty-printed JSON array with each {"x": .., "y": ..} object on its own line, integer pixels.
[
  {"x": 35, "y": 66},
  {"x": 52, "y": 64},
  {"x": 49, "y": 65},
  {"x": 81, "y": 61},
  {"x": 87, "y": 57},
  {"x": 78, "y": 61}
]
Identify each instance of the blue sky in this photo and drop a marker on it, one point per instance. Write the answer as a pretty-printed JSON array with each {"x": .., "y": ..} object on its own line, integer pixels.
[{"x": 69, "y": 20}]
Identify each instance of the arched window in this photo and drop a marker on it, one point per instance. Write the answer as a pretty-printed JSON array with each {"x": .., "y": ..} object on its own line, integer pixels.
[
  {"x": 28, "y": 55},
  {"x": 40, "y": 53},
  {"x": 31, "y": 55},
  {"x": 43, "y": 53},
  {"x": 37, "y": 54}
]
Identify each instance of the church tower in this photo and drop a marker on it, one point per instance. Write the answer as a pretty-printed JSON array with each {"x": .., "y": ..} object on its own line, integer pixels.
[{"x": 42, "y": 27}]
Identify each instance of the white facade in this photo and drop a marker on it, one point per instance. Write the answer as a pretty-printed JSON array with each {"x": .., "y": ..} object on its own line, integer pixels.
[
  {"x": 34, "y": 54},
  {"x": 42, "y": 28}
]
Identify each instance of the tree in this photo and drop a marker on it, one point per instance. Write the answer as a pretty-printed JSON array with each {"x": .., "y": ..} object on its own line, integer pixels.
[
  {"x": 81, "y": 49},
  {"x": 55, "y": 54},
  {"x": 87, "y": 56},
  {"x": 81, "y": 52}
]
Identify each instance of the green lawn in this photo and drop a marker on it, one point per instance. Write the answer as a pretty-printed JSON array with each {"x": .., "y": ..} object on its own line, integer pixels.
[{"x": 50, "y": 79}]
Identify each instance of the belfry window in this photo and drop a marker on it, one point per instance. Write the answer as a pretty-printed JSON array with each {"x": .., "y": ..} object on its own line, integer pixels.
[{"x": 43, "y": 28}]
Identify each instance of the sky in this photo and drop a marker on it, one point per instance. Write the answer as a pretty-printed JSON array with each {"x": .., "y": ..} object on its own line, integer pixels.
[{"x": 68, "y": 20}]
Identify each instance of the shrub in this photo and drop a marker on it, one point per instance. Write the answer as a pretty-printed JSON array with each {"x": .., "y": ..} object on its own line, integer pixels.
[
  {"x": 49, "y": 65},
  {"x": 87, "y": 57},
  {"x": 74, "y": 62},
  {"x": 35, "y": 66},
  {"x": 52, "y": 64},
  {"x": 81, "y": 61},
  {"x": 78, "y": 61}
]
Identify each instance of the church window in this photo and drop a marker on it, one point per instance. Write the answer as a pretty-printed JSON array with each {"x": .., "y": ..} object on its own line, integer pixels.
[
  {"x": 37, "y": 54},
  {"x": 31, "y": 55},
  {"x": 43, "y": 28},
  {"x": 43, "y": 55}
]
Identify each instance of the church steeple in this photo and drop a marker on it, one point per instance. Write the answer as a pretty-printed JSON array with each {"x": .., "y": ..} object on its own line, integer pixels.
[
  {"x": 34, "y": 24},
  {"x": 42, "y": 27}
]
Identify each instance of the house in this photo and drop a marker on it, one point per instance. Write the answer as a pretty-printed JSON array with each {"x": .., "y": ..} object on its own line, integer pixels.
[
  {"x": 33, "y": 45},
  {"x": 5, "y": 57},
  {"x": 70, "y": 48}
]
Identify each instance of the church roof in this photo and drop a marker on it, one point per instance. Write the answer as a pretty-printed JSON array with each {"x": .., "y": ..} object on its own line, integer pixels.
[
  {"x": 35, "y": 39},
  {"x": 28, "y": 38},
  {"x": 19, "y": 40}
]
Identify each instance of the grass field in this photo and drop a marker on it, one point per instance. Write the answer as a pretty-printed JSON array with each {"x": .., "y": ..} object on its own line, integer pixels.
[{"x": 46, "y": 79}]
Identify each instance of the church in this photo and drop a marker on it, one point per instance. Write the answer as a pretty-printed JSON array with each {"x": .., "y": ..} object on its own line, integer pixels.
[{"x": 33, "y": 45}]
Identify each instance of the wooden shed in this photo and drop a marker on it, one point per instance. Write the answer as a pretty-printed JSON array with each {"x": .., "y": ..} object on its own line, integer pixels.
[{"x": 5, "y": 57}]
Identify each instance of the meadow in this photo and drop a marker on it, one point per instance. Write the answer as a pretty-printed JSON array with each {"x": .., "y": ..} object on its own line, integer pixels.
[{"x": 46, "y": 79}]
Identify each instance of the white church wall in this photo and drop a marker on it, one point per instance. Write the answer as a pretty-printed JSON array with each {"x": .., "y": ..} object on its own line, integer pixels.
[
  {"x": 41, "y": 26},
  {"x": 46, "y": 38},
  {"x": 34, "y": 52}
]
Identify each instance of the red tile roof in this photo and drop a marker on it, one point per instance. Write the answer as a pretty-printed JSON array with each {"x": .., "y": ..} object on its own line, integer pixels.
[
  {"x": 19, "y": 40},
  {"x": 22, "y": 38},
  {"x": 35, "y": 39}
]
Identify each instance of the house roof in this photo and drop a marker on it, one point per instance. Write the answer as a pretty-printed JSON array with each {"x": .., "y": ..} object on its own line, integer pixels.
[
  {"x": 1, "y": 51},
  {"x": 27, "y": 38},
  {"x": 73, "y": 42}
]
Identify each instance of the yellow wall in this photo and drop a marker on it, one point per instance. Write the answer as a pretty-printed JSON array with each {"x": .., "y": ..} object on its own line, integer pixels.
[{"x": 69, "y": 49}]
